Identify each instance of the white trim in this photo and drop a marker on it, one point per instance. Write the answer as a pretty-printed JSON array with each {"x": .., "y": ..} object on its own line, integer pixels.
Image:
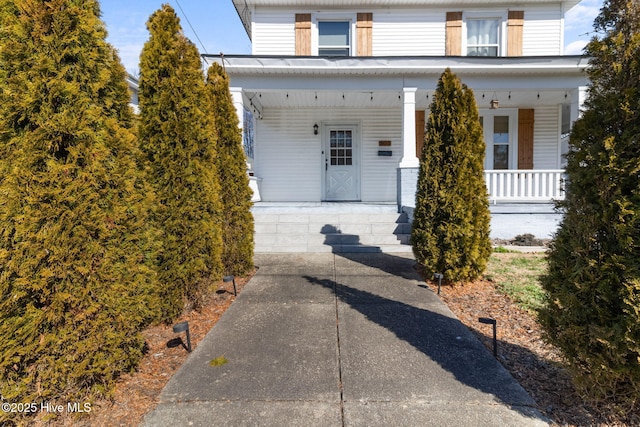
[
  {"x": 409, "y": 158},
  {"x": 501, "y": 17},
  {"x": 351, "y": 17}
]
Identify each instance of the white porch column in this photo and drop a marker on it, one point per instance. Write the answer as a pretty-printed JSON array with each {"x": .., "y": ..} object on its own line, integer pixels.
[
  {"x": 409, "y": 158},
  {"x": 578, "y": 97},
  {"x": 236, "y": 96}
]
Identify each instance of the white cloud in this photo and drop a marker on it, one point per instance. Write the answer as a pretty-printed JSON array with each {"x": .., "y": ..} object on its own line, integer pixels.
[
  {"x": 130, "y": 56},
  {"x": 575, "y": 48},
  {"x": 582, "y": 15}
]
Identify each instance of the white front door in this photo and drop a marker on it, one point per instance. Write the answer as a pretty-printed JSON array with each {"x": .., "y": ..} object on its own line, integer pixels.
[{"x": 342, "y": 176}]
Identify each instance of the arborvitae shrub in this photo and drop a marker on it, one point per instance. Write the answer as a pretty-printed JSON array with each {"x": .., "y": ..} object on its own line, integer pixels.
[
  {"x": 76, "y": 254},
  {"x": 237, "y": 220},
  {"x": 593, "y": 308},
  {"x": 178, "y": 139},
  {"x": 450, "y": 232}
]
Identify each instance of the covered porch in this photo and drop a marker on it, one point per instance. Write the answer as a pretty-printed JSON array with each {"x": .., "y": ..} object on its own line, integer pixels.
[{"x": 294, "y": 106}]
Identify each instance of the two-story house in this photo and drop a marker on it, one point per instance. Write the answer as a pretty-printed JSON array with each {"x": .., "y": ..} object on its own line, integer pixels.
[{"x": 337, "y": 93}]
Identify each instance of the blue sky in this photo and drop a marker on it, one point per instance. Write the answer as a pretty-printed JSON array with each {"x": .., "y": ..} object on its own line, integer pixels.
[{"x": 218, "y": 26}]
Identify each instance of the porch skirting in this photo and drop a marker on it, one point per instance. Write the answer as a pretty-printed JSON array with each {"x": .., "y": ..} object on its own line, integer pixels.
[
  {"x": 509, "y": 220},
  {"x": 407, "y": 187}
]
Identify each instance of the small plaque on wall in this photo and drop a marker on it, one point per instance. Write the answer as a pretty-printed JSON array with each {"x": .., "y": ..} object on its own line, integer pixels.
[
  {"x": 386, "y": 153},
  {"x": 384, "y": 143}
]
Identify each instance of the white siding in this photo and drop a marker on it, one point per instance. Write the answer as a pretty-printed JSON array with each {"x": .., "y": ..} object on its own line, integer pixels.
[
  {"x": 273, "y": 33},
  {"x": 409, "y": 33},
  {"x": 546, "y": 137},
  {"x": 542, "y": 32},
  {"x": 289, "y": 156}
]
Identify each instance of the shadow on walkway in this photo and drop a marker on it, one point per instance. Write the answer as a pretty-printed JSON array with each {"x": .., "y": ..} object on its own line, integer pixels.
[
  {"x": 369, "y": 255},
  {"x": 444, "y": 340}
]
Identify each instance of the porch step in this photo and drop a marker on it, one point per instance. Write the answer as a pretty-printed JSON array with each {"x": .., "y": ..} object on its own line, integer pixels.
[{"x": 338, "y": 228}]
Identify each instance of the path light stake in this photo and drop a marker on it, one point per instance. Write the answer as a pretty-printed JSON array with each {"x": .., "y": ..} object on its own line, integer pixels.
[
  {"x": 228, "y": 279},
  {"x": 183, "y": 327},
  {"x": 438, "y": 276},
  {"x": 488, "y": 321}
]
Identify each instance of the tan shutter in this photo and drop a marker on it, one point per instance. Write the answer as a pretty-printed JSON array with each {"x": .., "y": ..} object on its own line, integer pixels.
[
  {"x": 303, "y": 34},
  {"x": 525, "y": 138},
  {"x": 419, "y": 133},
  {"x": 515, "y": 25},
  {"x": 364, "y": 26},
  {"x": 453, "y": 43}
]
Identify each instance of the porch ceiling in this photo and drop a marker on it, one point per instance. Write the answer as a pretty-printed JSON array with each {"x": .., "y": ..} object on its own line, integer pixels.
[{"x": 393, "y": 99}]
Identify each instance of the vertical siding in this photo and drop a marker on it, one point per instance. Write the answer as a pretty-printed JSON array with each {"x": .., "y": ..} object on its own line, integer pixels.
[
  {"x": 289, "y": 157},
  {"x": 545, "y": 145},
  {"x": 542, "y": 32}
]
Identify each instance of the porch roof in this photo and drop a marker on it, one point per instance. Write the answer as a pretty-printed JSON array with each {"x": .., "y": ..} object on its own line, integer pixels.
[
  {"x": 400, "y": 65},
  {"x": 377, "y": 82}
]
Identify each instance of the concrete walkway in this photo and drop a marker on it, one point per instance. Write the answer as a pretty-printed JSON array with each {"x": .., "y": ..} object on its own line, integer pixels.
[{"x": 341, "y": 340}]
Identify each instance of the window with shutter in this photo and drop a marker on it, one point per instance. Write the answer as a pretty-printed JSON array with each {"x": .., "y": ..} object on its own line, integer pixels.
[
  {"x": 483, "y": 37},
  {"x": 453, "y": 37},
  {"x": 525, "y": 138},
  {"x": 364, "y": 27},
  {"x": 515, "y": 25},
  {"x": 334, "y": 38},
  {"x": 303, "y": 34}
]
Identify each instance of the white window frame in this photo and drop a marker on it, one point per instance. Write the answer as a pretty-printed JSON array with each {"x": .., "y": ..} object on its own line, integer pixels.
[
  {"x": 501, "y": 17},
  {"x": 335, "y": 17},
  {"x": 488, "y": 116}
]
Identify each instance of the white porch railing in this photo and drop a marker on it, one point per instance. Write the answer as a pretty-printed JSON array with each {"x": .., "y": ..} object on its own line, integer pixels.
[{"x": 524, "y": 185}]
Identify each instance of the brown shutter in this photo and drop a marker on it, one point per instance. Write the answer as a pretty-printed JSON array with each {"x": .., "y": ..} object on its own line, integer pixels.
[
  {"x": 453, "y": 42},
  {"x": 515, "y": 25},
  {"x": 364, "y": 26},
  {"x": 419, "y": 133},
  {"x": 303, "y": 34},
  {"x": 525, "y": 138}
]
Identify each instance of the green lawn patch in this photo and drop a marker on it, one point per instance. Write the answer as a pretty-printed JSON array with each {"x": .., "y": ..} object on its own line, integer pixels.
[{"x": 518, "y": 276}]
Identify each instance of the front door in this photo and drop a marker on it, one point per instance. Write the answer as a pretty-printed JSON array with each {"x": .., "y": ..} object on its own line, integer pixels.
[{"x": 342, "y": 180}]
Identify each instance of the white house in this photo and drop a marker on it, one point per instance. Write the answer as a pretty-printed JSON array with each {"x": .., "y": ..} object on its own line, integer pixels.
[{"x": 336, "y": 94}]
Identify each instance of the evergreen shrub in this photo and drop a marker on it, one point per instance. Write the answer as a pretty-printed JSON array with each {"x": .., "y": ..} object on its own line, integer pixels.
[
  {"x": 592, "y": 311},
  {"x": 450, "y": 233},
  {"x": 77, "y": 280},
  {"x": 178, "y": 139},
  {"x": 237, "y": 220}
]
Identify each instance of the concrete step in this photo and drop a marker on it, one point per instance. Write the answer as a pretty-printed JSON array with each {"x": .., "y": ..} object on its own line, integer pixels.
[{"x": 305, "y": 229}]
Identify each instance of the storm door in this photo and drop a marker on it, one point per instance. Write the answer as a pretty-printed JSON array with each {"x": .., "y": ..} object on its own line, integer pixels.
[{"x": 342, "y": 169}]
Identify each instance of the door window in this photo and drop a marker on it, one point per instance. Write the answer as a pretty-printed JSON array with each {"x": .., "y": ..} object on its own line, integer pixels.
[{"x": 341, "y": 147}]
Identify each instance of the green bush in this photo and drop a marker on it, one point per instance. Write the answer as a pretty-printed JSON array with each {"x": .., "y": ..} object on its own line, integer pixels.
[
  {"x": 593, "y": 308},
  {"x": 237, "y": 220},
  {"x": 76, "y": 251},
  {"x": 178, "y": 138},
  {"x": 450, "y": 232}
]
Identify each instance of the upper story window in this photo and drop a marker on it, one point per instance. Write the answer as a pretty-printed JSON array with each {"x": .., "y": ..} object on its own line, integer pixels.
[
  {"x": 476, "y": 34},
  {"x": 334, "y": 38},
  {"x": 483, "y": 37}
]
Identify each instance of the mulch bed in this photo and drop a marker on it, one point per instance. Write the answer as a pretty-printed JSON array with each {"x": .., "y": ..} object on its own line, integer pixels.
[
  {"x": 536, "y": 365},
  {"x": 138, "y": 393}
]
